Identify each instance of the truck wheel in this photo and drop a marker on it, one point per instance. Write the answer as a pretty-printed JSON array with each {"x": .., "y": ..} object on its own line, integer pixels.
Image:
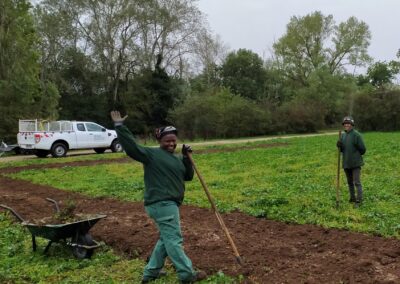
[
  {"x": 116, "y": 146},
  {"x": 99, "y": 150},
  {"x": 41, "y": 153},
  {"x": 58, "y": 150},
  {"x": 17, "y": 151}
]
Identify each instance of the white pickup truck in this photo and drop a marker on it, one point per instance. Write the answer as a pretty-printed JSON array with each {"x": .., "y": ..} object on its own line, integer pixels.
[{"x": 57, "y": 137}]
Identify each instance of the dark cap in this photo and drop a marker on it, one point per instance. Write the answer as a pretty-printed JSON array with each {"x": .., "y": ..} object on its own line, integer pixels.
[
  {"x": 348, "y": 119},
  {"x": 162, "y": 131}
]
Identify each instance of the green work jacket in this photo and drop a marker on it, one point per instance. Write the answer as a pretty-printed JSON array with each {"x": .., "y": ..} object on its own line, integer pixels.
[
  {"x": 353, "y": 148},
  {"x": 164, "y": 173}
]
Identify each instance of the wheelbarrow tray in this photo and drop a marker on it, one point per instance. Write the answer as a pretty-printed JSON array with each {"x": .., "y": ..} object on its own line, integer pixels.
[
  {"x": 56, "y": 232},
  {"x": 74, "y": 233}
]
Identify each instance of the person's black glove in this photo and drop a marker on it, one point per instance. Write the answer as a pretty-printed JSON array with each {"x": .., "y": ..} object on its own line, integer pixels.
[
  {"x": 339, "y": 144},
  {"x": 186, "y": 149}
]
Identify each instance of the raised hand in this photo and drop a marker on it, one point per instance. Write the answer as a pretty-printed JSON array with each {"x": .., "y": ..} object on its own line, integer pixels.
[{"x": 116, "y": 117}]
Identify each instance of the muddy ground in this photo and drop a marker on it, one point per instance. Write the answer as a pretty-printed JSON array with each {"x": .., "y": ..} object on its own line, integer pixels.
[{"x": 273, "y": 252}]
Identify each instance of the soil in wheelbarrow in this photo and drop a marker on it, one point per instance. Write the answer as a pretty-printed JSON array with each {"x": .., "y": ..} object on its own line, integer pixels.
[
  {"x": 274, "y": 252},
  {"x": 65, "y": 215},
  {"x": 56, "y": 220}
]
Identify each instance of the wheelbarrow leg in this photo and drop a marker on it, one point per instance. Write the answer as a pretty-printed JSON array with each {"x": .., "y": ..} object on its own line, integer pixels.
[
  {"x": 47, "y": 247},
  {"x": 33, "y": 242}
]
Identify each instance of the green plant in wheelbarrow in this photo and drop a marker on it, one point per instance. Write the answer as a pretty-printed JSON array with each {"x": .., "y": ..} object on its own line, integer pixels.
[
  {"x": 64, "y": 227},
  {"x": 64, "y": 215}
]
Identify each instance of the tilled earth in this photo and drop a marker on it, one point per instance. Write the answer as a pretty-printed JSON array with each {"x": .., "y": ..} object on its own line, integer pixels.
[{"x": 273, "y": 252}]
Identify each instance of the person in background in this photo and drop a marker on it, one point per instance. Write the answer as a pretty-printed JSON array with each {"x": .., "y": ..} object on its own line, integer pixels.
[
  {"x": 164, "y": 176},
  {"x": 352, "y": 146}
]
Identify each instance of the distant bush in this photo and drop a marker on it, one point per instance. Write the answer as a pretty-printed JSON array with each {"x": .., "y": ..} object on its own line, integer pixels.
[
  {"x": 378, "y": 111},
  {"x": 299, "y": 116},
  {"x": 220, "y": 114}
]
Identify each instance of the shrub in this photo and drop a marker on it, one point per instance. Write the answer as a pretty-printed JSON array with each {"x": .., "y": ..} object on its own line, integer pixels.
[
  {"x": 299, "y": 116},
  {"x": 378, "y": 111},
  {"x": 220, "y": 114}
]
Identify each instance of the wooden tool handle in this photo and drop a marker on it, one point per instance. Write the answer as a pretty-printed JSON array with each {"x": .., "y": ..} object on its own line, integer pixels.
[{"x": 219, "y": 218}]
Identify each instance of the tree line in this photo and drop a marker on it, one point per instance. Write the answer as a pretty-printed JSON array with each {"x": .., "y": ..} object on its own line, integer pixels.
[{"x": 158, "y": 61}]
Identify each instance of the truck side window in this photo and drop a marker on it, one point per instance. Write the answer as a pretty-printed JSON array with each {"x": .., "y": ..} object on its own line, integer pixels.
[
  {"x": 93, "y": 127},
  {"x": 80, "y": 127}
]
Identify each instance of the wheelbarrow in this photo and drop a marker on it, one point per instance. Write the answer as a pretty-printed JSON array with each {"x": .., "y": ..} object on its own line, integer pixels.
[
  {"x": 7, "y": 148},
  {"x": 74, "y": 234}
]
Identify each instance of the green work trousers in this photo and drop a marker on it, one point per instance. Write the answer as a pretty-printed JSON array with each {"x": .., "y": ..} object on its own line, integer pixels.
[{"x": 166, "y": 216}]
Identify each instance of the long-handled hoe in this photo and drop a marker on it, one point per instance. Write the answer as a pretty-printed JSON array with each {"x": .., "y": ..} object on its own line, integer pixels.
[
  {"x": 219, "y": 218},
  {"x": 338, "y": 175}
]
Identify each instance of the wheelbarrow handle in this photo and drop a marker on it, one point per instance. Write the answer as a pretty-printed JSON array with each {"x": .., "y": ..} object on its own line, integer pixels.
[
  {"x": 13, "y": 212},
  {"x": 55, "y": 203}
]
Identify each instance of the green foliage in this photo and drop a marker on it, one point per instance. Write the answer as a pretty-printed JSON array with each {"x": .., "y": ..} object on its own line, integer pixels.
[
  {"x": 291, "y": 184},
  {"x": 123, "y": 38},
  {"x": 380, "y": 74},
  {"x": 220, "y": 115},
  {"x": 314, "y": 42},
  {"x": 301, "y": 49},
  {"x": 82, "y": 89},
  {"x": 309, "y": 69},
  {"x": 328, "y": 91},
  {"x": 207, "y": 81},
  {"x": 22, "y": 95},
  {"x": 300, "y": 115},
  {"x": 243, "y": 73},
  {"x": 318, "y": 105},
  {"x": 379, "y": 110},
  {"x": 149, "y": 98}
]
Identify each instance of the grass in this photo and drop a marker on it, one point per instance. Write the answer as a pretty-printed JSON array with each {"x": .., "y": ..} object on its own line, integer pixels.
[
  {"x": 294, "y": 184},
  {"x": 18, "y": 264},
  {"x": 291, "y": 184},
  {"x": 43, "y": 161}
]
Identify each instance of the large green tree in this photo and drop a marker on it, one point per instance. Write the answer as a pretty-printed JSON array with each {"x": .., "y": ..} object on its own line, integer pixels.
[
  {"x": 149, "y": 98},
  {"x": 315, "y": 42},
  {"x": 22, "y": 94},
  {"x": 380, "y": 74},
  {"x": 81, "y": 88},
  {"x": 244, "y": 74},
  {"x": 123, "y": 37}
]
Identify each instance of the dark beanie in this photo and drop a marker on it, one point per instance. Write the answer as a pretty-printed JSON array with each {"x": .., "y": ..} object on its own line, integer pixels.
[{"x": 162, "y": 131}]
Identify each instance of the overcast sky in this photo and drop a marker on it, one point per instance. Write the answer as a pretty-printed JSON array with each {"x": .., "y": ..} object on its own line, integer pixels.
[{"x": 257, "y": 24}]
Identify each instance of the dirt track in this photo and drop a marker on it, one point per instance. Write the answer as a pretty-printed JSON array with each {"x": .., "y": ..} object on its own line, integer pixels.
[{"x": 274, "y": 252}]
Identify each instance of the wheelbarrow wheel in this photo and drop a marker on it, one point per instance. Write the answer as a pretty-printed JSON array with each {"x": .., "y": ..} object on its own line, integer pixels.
[{"x": 80, "y": 252}]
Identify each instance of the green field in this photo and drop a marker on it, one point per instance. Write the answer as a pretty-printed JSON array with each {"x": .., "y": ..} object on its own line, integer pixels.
[{"x": 293, "y": 183}]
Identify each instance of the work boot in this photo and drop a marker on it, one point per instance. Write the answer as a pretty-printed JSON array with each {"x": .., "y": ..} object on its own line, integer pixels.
[
  {"x": 357, "y": 203},
  {"x": 162, "y": 273},
  {"x": 200, "y": 275}
]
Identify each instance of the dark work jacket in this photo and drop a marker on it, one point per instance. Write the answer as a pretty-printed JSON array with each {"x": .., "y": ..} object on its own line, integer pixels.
[
  {"x": 164, "y": 173},
  {"x": 353, "y": 148}
]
